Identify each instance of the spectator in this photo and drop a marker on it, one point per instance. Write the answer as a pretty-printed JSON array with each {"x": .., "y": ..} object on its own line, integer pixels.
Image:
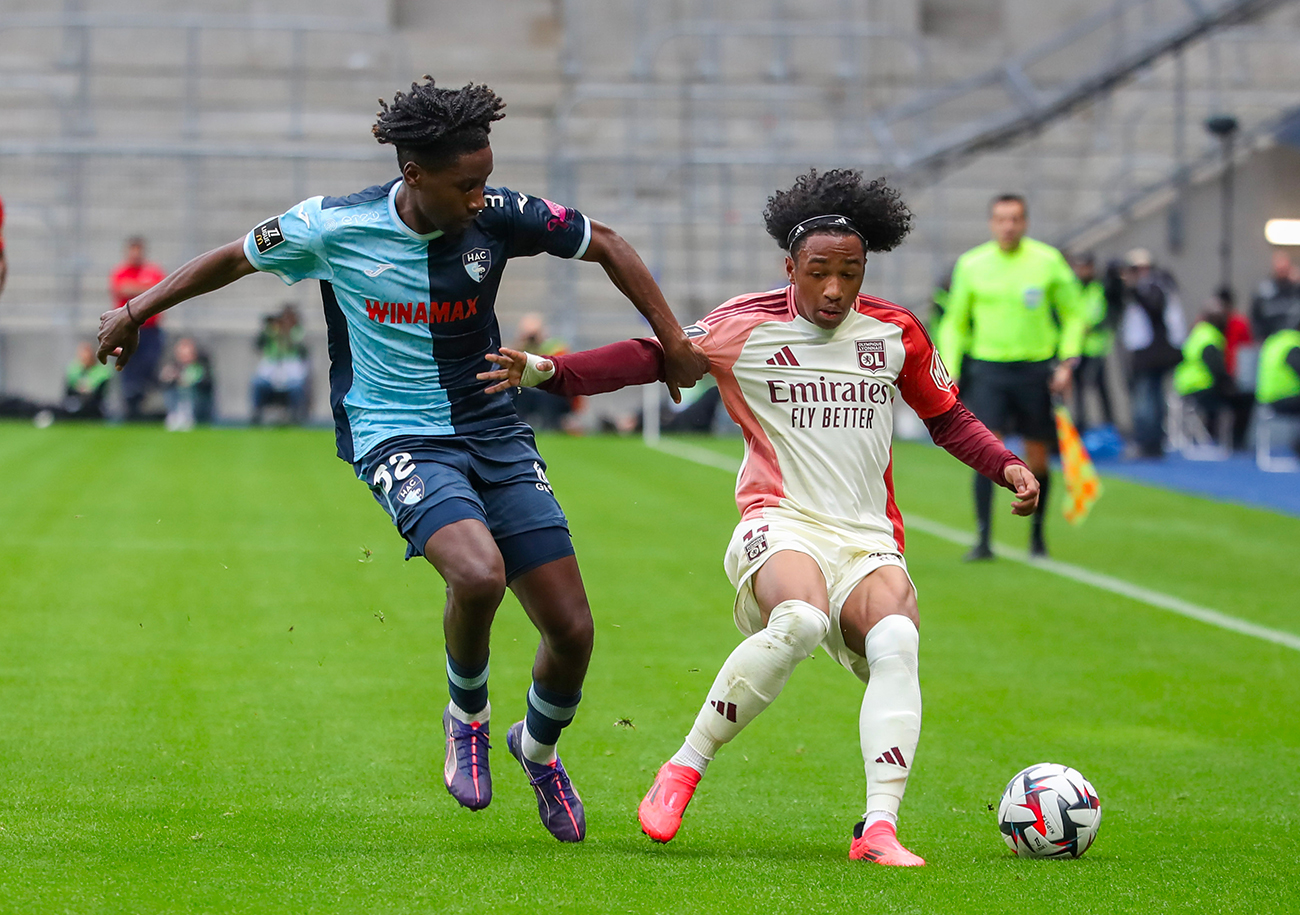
[
  {"x": 1100, "y": 318},
  {"x": 1239, "y": 354},
  {"x": 87, "y": 383},
  {"x": 187, "y": 381},
  {"x": 1152, "y": 328},
  {"x": 1278, "y": 385},
  {"x": 130, "y": 278},
  {"x": 1202, "y": 376},
  {"x": 1276, "y": 305},
  {"x": 536, "y": 407},
  {"x": 284, "y": 369},
  {"x": 1236, "y": 330}
]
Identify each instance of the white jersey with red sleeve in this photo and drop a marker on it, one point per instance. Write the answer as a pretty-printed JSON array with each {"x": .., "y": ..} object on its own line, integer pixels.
[{"x": 816, "y": 406}]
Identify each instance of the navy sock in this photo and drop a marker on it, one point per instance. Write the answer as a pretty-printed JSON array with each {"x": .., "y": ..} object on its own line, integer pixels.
[
  {"x": 549, "y": 712},
  {"x": 467, "y": 685}
]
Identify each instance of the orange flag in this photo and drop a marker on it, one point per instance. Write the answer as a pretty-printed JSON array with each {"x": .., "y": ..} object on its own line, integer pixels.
[{"x": 1083, "y": 486}]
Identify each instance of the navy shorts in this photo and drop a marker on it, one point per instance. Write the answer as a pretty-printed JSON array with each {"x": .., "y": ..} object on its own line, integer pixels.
[
  {"x": 426, "y": 482},
  {"x": 1011, "y": 397}
]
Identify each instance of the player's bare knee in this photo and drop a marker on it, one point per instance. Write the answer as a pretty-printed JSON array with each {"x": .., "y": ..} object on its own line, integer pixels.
[
  {"x": 571, "y": 634},
  {"x": 478, "y": 587}
]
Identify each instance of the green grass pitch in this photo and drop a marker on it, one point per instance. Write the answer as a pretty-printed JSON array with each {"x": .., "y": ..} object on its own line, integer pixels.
[{"x": 212, "y": 699}]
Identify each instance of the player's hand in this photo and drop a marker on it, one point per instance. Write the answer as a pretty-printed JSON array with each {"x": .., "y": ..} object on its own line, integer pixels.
[
  {"x": 513, "y": 364},
  {"x": 684, "y": 364},
  {"x": 1026, "y": 485},
  {"x": 118, "y": 336},
  {"x": 1062, "y": 379}
]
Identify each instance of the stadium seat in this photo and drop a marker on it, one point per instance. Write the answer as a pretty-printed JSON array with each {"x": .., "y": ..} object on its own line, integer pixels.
[
  {"x": 1189, "y": 435},
  {"x": 1266, "y": 418}
]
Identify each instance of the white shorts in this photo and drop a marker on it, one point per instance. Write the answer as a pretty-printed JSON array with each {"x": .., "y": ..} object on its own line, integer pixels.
[{"x": 843, "y": 557}]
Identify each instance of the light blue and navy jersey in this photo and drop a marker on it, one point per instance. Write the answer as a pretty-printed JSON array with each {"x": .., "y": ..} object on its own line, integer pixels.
[{"x": 410, "y": 316}]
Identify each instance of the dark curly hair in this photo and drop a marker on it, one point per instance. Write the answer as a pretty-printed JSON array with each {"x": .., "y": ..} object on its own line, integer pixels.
[
  {"x": 436, "y": 126},
  {"x": 874, "y": 207}
]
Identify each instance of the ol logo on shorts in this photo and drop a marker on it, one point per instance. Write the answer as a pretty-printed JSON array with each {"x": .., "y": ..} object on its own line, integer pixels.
[
  {"x": 411, "y": 489},
  {"x": 755, "y": 543}
]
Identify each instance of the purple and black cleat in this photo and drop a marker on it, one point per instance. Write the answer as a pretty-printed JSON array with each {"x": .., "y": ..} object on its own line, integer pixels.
[
  {"x": 558, "y": 803},
  {"x": 466, "y": 772}
]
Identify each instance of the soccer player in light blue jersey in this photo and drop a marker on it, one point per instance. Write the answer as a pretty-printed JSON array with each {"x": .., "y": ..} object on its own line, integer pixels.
[{"x": 409, "y": 273}]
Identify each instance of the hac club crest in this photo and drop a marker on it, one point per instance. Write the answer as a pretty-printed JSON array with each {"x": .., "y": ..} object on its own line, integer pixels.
[
  {"x": 871, "y": 355},
  {"x": 477, "y": 263}
]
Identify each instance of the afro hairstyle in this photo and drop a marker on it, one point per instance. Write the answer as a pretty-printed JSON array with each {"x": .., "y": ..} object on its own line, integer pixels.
[
  {"x": 437, "y": 126},
  {"x": 873, "y": 207}
]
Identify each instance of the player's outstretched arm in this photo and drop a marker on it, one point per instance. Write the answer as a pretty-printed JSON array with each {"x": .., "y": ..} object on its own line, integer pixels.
[
  {"x": 958, "y": 432},
  {"x": 593, "y": 371},
  {"x": 119, "y": 329},
  {"x": 683, "y": 364}
]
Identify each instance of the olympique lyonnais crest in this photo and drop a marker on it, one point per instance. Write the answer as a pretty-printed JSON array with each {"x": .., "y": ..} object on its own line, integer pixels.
[
  {"x": 871, "y": 355},
  {"x": 477, "y": 263},
  {"x": 755, "y": 546}
]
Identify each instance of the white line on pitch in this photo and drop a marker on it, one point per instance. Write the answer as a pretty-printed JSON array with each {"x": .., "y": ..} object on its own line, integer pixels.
[{"x": 1109, "y": 583}]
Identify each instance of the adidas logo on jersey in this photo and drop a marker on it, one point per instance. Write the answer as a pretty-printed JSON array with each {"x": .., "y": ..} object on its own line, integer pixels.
[
  {"x": 893, "y": 756},
  {"x": 783, "y": 357}
]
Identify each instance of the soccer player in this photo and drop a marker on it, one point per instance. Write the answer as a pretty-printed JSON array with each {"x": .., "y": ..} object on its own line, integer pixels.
[
  {"x": 811, "y": 372},
  {"x": 409, "y": 272},
  {"x": 1013, "y": 311}
]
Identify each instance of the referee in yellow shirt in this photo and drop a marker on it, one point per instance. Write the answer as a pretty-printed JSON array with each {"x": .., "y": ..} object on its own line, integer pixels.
[{"x": 1013, "y": 331}]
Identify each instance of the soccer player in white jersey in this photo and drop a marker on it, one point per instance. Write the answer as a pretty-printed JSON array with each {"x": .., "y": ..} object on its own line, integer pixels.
[{"x": 810, "y": 372}]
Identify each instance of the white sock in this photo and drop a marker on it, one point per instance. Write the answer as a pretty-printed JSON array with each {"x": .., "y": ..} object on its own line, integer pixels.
[
  {"x": 875, "y": 816},
  {"x": 534, "y": 751},
  {"x": 753, "y": 676},
  {"x": 463, "y": 716},
  {"x": 689, "y": 756},
  {"x": 890, "y": 722}
]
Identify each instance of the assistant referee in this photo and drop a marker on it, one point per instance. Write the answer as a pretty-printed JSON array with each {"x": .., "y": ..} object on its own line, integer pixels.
[{"x": 1013, "y": 331}]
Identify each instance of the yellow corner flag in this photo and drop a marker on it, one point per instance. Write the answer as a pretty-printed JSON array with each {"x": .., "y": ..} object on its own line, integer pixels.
[{"x": 1082, "y": 484}]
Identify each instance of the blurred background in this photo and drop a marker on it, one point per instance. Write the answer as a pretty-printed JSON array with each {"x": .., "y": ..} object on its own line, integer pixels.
[{"x": 185, "y": 124}]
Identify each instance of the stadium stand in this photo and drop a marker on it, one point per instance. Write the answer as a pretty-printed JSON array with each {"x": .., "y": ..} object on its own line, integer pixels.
[{"x": 672, "y": 122}]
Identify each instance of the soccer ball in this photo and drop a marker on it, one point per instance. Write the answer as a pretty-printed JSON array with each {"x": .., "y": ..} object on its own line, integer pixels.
[{"x": 1049, "y": 811}]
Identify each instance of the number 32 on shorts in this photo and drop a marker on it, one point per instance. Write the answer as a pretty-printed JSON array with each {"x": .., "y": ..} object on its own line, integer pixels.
[
  {"x": 402, "y": 468},
  {"x": 411, "y": 490}
]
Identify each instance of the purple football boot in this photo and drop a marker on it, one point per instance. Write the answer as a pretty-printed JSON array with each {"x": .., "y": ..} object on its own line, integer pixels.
[
  {"x": 558, "y": 803},
  {"x": 466, "y": 772}
]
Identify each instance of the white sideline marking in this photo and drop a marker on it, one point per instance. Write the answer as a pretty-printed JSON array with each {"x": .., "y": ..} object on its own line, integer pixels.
[{"x": 1109, "y": 583}]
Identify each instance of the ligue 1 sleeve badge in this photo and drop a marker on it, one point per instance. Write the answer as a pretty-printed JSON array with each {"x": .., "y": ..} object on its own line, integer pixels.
[
  {"x": 871, "y": 355},
  {"x": 477, "y": 263}
]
